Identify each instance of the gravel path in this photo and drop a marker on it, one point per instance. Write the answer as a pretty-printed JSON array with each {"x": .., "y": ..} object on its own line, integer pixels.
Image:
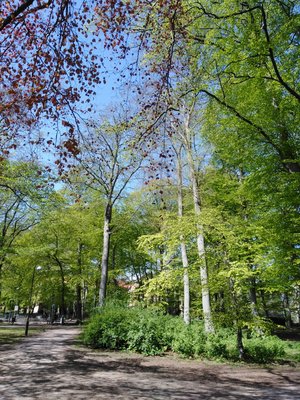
[{"x": 51, "y": 366}]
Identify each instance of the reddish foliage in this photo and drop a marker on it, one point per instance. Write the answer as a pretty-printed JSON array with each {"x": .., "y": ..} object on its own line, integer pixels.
[
  {"x": 45, "y": 55},
  {"x": 151, "y": 27}
]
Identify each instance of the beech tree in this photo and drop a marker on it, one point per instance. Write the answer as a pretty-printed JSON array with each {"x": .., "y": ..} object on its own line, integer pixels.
[
  {"x": 228, "y": 50},
  {"x": 23, "y": 190},
  {"x": 186, "y": 135},
  {"x": 240, "y": 58},
  {"x": 48, "y": 64},
  {"x": 133, "y": 218},
  {"x": 183, "y": 246},
  {"x": 181, "y": 125},
  {"x": 249, "y": 48},
  {"x": 65, "y": 244},
  {"x": 107, "y": 160}
]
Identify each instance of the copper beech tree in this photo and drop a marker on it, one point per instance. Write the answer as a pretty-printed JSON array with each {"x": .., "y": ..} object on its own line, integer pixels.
[{"x": 47, "y": 60}]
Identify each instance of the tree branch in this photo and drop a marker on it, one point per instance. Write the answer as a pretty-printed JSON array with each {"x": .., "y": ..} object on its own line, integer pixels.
[
  {"x": 244, "y": 119},
  {"x": 271, "y": 54},
  {"x": 23, "y": 7},
  {"x": 272, "y": 57}
]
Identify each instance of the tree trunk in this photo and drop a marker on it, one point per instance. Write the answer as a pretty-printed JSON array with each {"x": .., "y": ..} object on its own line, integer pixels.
[
  {"x": 186, "y": 284},
  {"x": 208, "y": 323},
  {"x": 1, "y": 267},
  {"x": 1, "y": 272},
  {"x": 62, "y": 293},
  {"x": 264, "y": 304},
  {"x": 240, "y": 345},
  {"x": 253, "y": 298},
  {"x": 63, "y": 305},
  {"x": 184, "y": 258},
  {"x": 79, "y": 311},
  {"x": 105, "y": 254},
  {"x": 287, "y": 310},
  {"x": 78, "y": 303}
]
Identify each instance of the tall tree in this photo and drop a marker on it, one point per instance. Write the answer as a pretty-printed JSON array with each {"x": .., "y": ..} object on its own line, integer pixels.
[
  {"x": 109, "y": 157},
  {"x": 183, "y": 247},
  {"x": 23, "y": 190},
  {"x": 228, "y": 50},
  {"x": 185, "y": 133},
  {"x": 65, "y": 244}
]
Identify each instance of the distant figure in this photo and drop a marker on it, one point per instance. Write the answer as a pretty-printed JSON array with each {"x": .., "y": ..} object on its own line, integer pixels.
[{"x": 13, "y": 319}]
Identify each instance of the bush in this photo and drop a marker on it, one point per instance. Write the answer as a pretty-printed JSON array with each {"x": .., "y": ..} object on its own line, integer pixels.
[
  {"x": 144, "y": 331},
  {"x": 151, "y": 333},
  {"x": 173, "y": 325},
  {"x": 216, "y": 347},
  {"x": 292, "y": 350},
  {"x": 264, "y": 350},
  {"x": 190, "y": 340},
  {"x": 108, "y": 329}
]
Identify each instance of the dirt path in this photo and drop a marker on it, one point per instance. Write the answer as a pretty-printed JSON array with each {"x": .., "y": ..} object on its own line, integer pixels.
[{"x": 50, "y": 366}]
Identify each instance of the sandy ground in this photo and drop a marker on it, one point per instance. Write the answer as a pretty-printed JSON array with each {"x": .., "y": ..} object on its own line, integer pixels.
[{"x": 52, "y": 366}]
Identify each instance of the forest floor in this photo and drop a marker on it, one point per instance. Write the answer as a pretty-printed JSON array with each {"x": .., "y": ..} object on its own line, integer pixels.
[{"x": 53, "y": 365}]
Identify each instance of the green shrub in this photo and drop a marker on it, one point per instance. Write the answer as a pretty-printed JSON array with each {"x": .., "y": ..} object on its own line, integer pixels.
[
  {"x": 150, "y": 333},
  {"x": 292, "y": 350},
  {"x": 190, "y": 340},
  {"x": 144, "y": 331},
  {"x": 108, "y": 329},
  {"x": 173, "y": 326},
  {"x": 264, "y": 350},
  {"x": 183, "y": 343},
  {"x": 216, "y": 347}
]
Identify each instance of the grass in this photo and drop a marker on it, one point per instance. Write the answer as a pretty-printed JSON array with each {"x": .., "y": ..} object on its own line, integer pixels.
[
  {"x": 291, "y": 341},
  {"x": 292, "y": 351},
  {"x": 12, "y": 335}
]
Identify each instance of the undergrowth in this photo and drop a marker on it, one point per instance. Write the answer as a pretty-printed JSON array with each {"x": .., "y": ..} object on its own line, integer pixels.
[{"x": 152, "y": 333}]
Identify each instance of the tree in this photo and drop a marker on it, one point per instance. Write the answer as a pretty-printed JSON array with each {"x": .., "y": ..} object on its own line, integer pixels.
[
  {"x": 48, "y": 64},
  {"x": 23, "y": 190},
  {"x": 187, "y": 139},
  {"x": 183, "y": 247},
  {"x": 162, "y": 286},
  {"x": 241, "y": 62},
  {"x": 65, "y": 245},
  {"x": 251, "y": 59},
  {"x": 228, "y": 50},
  {"x": 183, "y": 132},
  {"x": 109, "y": 158},
  {"x": 133, "y": 218}
]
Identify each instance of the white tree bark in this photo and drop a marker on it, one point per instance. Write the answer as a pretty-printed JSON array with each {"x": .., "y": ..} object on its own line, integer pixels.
[
  {"x": 208, "y": 323},
  {"x": 184, "y": 257}
]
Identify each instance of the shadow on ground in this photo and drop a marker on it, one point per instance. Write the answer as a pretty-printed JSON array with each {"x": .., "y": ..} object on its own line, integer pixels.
[{"x": 51, "y": 367}]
